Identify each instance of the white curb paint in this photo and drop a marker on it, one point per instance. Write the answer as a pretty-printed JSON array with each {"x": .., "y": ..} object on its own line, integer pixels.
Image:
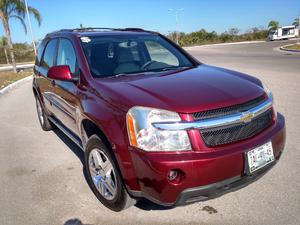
[
  {"x": 283, "y": 48},
  {"x": 9, "y": 87},
  {"x": 223, "y": 44}
]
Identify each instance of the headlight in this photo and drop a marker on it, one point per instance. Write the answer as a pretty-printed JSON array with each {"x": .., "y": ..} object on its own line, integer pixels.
[
  {"x": 267, "y": 90},
  {"x": 143, "y": 135},
  {"x": 270, "y": 95}
]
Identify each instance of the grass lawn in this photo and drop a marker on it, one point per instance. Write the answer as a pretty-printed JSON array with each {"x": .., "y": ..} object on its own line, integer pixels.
[
  {"x": 9, "y": 77},
  {"x": 293, "y": 47}
]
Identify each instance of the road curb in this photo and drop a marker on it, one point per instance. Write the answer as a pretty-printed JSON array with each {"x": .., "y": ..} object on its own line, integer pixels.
[
  {"x": 283, "y": 48},
  {"x": 13, "y": 85}
]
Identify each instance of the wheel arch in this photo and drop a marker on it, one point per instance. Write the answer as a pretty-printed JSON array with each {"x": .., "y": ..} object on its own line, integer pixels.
[
  {"x": 37, "y": 93},
  {"x": 89, "y": 127}
]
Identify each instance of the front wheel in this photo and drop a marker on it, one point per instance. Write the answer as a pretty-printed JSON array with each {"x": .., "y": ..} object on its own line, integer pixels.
[
  {"x": 43, "y": 119},
  {"x": 104, "y": 177}
]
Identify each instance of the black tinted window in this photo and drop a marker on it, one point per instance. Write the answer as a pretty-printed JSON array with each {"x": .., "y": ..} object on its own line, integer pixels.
[
  {"x": 66, "y": 54},
  {"x": 49, "y": 55}
]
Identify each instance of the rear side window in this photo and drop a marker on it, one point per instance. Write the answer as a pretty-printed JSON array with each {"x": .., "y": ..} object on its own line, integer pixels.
[
  {"x": 40, "y": 53},
  {"x": 49, "y": 55},
  {"x": 66, "y": 54}
]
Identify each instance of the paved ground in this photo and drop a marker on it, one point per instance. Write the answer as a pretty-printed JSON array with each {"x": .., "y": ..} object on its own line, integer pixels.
[{"x": 42, "y": 182}]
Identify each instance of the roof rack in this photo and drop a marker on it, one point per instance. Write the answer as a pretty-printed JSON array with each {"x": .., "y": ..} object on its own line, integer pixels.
[
  {"x": 84, "y": 29},
  {"x": 91, "y": 29}
]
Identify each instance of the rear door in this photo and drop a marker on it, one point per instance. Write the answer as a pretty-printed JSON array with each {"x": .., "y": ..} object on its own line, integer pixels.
[
  {"x": 65, "y": 100},
  {"x": 44, "y": 83}
]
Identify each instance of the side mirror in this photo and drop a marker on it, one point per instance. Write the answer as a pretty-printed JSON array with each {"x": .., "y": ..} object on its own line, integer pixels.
[{"x": 60, "y": 73}]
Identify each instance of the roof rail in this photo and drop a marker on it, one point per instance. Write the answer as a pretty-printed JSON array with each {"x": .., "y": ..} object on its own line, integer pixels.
[
  {"x": 84, "y": 29},
  {"x": 94, "y": 29},
  {"x": 134, "y": 29}
]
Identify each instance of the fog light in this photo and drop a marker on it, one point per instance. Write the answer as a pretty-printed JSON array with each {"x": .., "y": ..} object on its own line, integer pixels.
[{"x": 172, "y": 175}]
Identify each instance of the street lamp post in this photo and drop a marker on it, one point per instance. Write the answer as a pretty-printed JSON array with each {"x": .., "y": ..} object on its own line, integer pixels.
[
  {"x": 176, "y": 11},
  {"x": 30, "y": 28},
  {"x": 298, "y": 30}
]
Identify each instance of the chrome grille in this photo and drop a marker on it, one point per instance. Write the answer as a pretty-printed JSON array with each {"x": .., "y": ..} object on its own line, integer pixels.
[
  {"x": 229, "y": 110},
  {"x": 230, "y": 134}
]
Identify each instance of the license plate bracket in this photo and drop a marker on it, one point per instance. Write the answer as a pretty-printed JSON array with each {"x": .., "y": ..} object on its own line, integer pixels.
[{"x": 259, "y": 157}]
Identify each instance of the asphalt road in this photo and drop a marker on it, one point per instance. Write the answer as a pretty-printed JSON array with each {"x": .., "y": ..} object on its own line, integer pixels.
[{"x": 42, "y": 181}]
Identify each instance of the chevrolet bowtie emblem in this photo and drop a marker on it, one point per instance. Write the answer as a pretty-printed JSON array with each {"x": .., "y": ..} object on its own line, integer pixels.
[{"x": 247, "y": 117}]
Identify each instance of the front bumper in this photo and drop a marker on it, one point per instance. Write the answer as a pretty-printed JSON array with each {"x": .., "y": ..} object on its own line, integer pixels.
[
  {"x": 210, "y": 191},
  {"x": 206, "y": 174}
]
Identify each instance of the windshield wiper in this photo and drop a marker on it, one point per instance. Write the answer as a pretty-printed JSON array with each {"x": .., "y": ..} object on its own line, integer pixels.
[
  {"x": 146, "y": 72},
  {"x": 129, "y": 74},
  {"x": 119, "y": 75},
  {"x": 174, "y": 68}
]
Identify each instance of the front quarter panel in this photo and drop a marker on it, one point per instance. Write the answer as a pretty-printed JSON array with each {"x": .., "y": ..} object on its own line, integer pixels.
[{"x": 112, "y": 122}]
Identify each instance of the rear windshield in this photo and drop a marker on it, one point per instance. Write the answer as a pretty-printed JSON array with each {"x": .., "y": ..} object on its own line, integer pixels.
[{"x": 120, "y": 55}]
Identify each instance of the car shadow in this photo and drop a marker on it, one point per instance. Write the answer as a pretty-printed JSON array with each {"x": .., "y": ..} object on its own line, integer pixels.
[
  {"x": 73, "y": 222},
  {"x": 71, "y": 145},
  {"x": 145, "y": 204},
  {"x": 142, "y": 204}
]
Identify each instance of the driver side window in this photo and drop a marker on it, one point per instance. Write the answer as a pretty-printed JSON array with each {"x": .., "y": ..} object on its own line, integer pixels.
[
  {"x": 159, "y": 53},
  {"x": 66, "y": 55}
]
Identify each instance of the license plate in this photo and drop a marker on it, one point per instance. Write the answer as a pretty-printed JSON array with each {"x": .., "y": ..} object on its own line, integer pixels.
[{"x": 260, "y": 157}]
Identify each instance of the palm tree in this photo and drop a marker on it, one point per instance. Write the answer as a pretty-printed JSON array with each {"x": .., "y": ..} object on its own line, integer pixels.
[
  {"x": 296, "y": 22},
  {"x": 15, "y": 9},
  {"x": 3, "y": 44},
  {"x": 273, "y": 25}
]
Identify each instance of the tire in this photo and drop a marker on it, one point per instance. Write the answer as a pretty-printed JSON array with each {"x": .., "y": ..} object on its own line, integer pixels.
[
  {"x": 45, "y": 123},
  {"x": 105, "y": 181}
]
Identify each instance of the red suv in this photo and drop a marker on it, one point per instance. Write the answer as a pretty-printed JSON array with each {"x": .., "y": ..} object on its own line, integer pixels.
[{"x": 154, "y": 122}]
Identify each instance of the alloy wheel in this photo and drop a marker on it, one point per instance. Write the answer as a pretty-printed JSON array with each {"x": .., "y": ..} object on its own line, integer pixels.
[{"x": 103, "y": 174}]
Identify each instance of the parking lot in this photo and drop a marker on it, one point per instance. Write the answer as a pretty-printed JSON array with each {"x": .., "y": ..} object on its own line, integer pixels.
[{"x": 41, "y": 174}]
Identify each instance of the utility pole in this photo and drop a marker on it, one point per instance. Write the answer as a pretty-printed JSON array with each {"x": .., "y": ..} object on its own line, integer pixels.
[
  {"x": 176, "y": 11},
  {"x": 298, "y": 42},
  {"x": 30, "y": 28}
]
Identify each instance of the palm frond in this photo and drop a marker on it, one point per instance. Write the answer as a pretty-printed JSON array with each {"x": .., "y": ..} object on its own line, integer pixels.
[
  {"x": 36, "y": 14},
  {"x": 17, "y": 9},
  {"x": 21, "y": 21}
]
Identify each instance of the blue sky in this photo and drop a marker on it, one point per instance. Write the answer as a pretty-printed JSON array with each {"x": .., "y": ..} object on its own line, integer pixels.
[{"x": 154, "y": 15}]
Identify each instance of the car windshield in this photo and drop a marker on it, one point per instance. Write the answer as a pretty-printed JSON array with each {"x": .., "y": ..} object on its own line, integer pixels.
[{"x": 116, "y": 55}]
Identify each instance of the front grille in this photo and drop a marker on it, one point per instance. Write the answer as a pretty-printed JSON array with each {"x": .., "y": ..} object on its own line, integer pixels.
[
  {"x": 229, "y": 110},
  {"x": 230, "y": 134}
]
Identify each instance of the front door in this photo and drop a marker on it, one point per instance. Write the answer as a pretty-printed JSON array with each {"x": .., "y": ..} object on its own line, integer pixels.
[
  {"x": 65, "y": 98},
  {"x": 44, "y": 83}
]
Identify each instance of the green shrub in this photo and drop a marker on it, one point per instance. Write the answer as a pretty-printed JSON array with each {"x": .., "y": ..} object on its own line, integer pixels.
[
  {"x": 23, "y": 53},
  {"x": 232, "y": 35}
]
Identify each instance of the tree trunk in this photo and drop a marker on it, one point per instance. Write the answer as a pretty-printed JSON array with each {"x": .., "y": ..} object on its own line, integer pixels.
[
  {"x": 9, "y": 43},
  {"x": 6, "y": 56}
]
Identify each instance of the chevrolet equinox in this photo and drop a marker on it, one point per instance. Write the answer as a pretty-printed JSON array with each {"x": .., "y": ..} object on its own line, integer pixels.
[{"x": 153, "y": 121}]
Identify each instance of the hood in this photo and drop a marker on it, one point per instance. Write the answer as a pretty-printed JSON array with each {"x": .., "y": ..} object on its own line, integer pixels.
[{"x": 187, "y": 91}]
